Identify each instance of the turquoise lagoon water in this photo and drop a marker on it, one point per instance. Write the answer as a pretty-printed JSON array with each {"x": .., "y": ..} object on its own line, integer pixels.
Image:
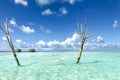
[{"x": 60, "y": 66}]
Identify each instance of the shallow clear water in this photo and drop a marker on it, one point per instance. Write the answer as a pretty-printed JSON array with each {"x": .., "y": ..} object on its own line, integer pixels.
[{"x": 60, "y": 66}]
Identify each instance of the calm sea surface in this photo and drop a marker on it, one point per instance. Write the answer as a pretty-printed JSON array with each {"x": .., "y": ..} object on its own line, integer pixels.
[{"x": 104, "y": 65}]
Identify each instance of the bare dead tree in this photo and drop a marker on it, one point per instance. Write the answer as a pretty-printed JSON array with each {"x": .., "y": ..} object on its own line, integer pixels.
[
  {"x": 83, "y": 38},
  {"x": 6, "y": 31}
]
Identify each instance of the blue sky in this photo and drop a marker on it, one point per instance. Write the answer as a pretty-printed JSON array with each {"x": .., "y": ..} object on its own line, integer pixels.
[{"x": 51, "y": 24}]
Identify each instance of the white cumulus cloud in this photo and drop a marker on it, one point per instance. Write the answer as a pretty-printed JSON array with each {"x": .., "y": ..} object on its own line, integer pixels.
[
  {"x": 41, "y": 43},
  {"x": 115, "y": 24},
  {"x": 47, "y": 12},
  {"x": 4, "y": 38},
  {"x": 13, "y": 22},
  {"x": 69, "y": 43},
  {"x": 100, "y": 39},
  {"x": 69, "y": 40},
  {"x": 44, "y": 2},
  {"x": 73, "y": 1},
  {"x": 62, "y": 11},
  {"x": 27, "y": 29},
  {"x": 47, "y": 2},
  {"x": 52, "y": 43},
  {"x": 22, "y": 2},
  {"x": 18, "y": 41}
]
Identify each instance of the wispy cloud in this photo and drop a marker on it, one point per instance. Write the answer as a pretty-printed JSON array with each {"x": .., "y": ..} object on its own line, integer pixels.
[
  {"x": 27, "y": 29},
  {"x": 47, "y": 12},
  {"x": 63, "y": 10},
  {"x": 47, "y": 31},
  {"x": 22, "y": 45},
  {"x": 4, "y": 47},
  {"x": 11, "y": 30},
  {"x": 31, "y": 24},
  {"x": 41, "y": 28},
  {"x": 22, "y": 2},
  {"x": 115, "y": 24},
  {"x": 102, "y": 46}
]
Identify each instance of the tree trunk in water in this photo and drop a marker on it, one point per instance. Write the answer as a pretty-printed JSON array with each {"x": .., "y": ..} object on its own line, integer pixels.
[
  {"x": 13, "y": 50},
  {"x": 6, "y": 31},
  {"x": 80, "y": 53}
]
